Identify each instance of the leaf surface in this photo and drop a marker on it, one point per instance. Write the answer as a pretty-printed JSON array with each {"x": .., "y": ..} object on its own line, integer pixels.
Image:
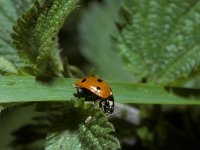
[
  {"x": 35, "y": 35},
  {"x": 30, "y": 89}
]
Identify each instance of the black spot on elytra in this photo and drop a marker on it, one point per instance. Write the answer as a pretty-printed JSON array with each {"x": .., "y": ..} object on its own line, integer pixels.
[
  {"x": 98, "y": 88},
  {"x": 83, "y": 80},
  {"x": 99, "y": 80}
]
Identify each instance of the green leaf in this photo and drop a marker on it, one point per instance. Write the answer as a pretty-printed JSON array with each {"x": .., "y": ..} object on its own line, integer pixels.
[
  {"x": 9, "y": 11},
  {"x": 154, "y": 40},
  {"x": 91, "y": 131},
  {"x": 66, "y": 125},
  {"x": 7, "y": 67},
  {"x": 30, "y": 89},
  {"x": 35, "y": 34},
  {"x": 96, "y": 28},
  {"x": 159, "y": 39}
]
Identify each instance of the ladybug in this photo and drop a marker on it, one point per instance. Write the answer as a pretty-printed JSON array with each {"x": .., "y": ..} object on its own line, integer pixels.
[{"x": 93, "y": 88}]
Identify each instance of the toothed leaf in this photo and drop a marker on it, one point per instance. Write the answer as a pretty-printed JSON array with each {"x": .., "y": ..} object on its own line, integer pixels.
[
  {"x": 156, "y": 40},
  {"x": 90, "y": 131},
  {"x": 35, "y": 34},
  {"x": 160, "y": 39}
]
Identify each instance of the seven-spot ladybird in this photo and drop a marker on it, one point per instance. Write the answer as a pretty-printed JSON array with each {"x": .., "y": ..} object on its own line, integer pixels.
[{"x": 93, "y": 88}]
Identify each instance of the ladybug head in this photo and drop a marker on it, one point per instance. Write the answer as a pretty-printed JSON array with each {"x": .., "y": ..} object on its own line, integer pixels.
[
  {"x": 107, "y": 105},
  {"x": 111, "y": 104}
]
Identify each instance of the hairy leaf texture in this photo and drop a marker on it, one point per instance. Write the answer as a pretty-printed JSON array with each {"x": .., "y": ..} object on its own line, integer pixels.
[
  {"x": 88, "y": 128},
  {"x": 68, "y": 125},
  {"x": 35, "y": 34},
  {"x": 160, "y": 39},
  {"x": 156, "y": 40}
]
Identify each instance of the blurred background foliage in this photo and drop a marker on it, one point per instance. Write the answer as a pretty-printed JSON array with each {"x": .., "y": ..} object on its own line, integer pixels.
[{"x": 136, "y": 41}]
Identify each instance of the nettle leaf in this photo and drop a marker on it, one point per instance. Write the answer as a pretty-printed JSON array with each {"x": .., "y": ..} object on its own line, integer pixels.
[
  {"x": 68, "y": 125},
  {"x": 159, "y": 40},
  {"x": 156, "y": 40},
  {"x": 89, "y": 130},
  {"x": 9, "y": 11},
  {"x": 35, "y": 34},
  {"x": 96, "y": 28}
]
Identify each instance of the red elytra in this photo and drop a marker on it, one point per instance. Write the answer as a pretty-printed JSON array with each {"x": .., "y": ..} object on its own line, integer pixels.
[{"x": 95, "y": 85}]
